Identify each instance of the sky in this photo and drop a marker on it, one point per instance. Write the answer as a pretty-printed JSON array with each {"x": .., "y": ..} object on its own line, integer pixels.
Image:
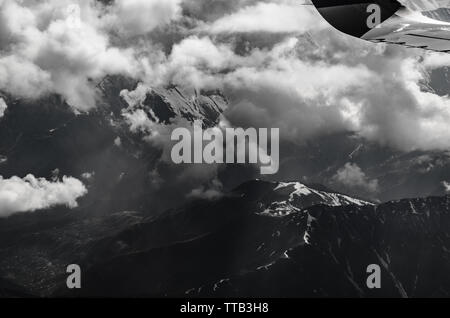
[{"x": 277, "y": 61}]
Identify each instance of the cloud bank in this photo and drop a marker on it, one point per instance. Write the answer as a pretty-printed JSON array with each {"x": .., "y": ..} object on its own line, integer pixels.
[
  {"x": 278, "y": 62},
  {"x": 30, "y": 194},
  {"x": 64, "y": 47}
]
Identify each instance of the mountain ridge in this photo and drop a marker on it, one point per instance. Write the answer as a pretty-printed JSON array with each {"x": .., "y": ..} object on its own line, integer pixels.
[{"x": 235, "y": 251}]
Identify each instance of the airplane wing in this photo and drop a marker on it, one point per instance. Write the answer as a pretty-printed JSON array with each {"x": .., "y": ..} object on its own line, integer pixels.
[{"x": 386, "y": 21}]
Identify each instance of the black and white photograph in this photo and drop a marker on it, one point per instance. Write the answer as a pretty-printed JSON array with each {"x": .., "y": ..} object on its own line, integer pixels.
[{"x": 224, "y": 149}]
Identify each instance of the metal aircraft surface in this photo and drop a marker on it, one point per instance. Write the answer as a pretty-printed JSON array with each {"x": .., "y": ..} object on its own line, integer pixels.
[{"x": 389, "y": 21}]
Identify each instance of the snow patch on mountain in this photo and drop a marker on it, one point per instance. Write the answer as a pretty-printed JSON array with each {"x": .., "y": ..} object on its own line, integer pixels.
[{"x": 299, "y": 196}]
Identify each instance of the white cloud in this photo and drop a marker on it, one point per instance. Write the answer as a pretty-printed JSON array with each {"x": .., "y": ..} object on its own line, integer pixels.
[
  {"x": 63, "y": 47},
  {"x": 21, "y": 77},
  {"x": 139, "y": 121},
  {"x": 118, "y": 142},
  {"x": 326, "y": 83},
  {"x": 30, "y": 194},
  {"x": 88, "y": 176},
  {"x": 3, "y": 107},
  {"x": 337, "y": 84},
  {"x": 351, "y": 176},
  {"x": 137, "y": 17},
  {"x": 210, "y": 192},
  {"x": 308, "y": 84},
  {"x": 287, "y": 16},
  {"x": 436, "y": 60},
  {"x": 446, "y": 186}
]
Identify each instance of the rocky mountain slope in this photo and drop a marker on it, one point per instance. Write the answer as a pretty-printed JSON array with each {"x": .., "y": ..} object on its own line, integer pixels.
[
  {"x": 47, "y": 139},
  {"x": 34, "y": 248},
  {"x": 227, "y": 248},
  {"x": 408, "y": 239},
  {"x": 44, "y": 136}
]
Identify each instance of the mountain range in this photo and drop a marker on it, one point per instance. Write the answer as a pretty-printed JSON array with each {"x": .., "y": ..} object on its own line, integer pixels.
[
  {"x": 228, "y": 248},
  {"x": 287, "y": 237}
]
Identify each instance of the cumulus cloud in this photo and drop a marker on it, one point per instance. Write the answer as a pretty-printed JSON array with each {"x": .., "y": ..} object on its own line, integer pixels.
[
  {"x": 3, "y": 107},
  {"x": 139, "y": 121},
  {"x": 65, "y": 47},
  {"x": 51, "y": 46},
  {"x": 22, "y": 78},
  {"x": 307, "y": 79},
  {"x": 118, "y": 142},
  {"x": 88, "y": 176},
  {"x": 287, "y": 16},
  {"x": 30, "y": 194},
  {"x": 324, "y": 83},
  {"x": 137, "y": 17},
  {"x": 351, "y": 176},
  {"x": 446, "y": 186}
]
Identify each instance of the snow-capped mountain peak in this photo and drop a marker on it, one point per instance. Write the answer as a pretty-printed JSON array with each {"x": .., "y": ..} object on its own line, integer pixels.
[
  {"x": 331, "y": 199},
  {"x": 284, "y": 198}
]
